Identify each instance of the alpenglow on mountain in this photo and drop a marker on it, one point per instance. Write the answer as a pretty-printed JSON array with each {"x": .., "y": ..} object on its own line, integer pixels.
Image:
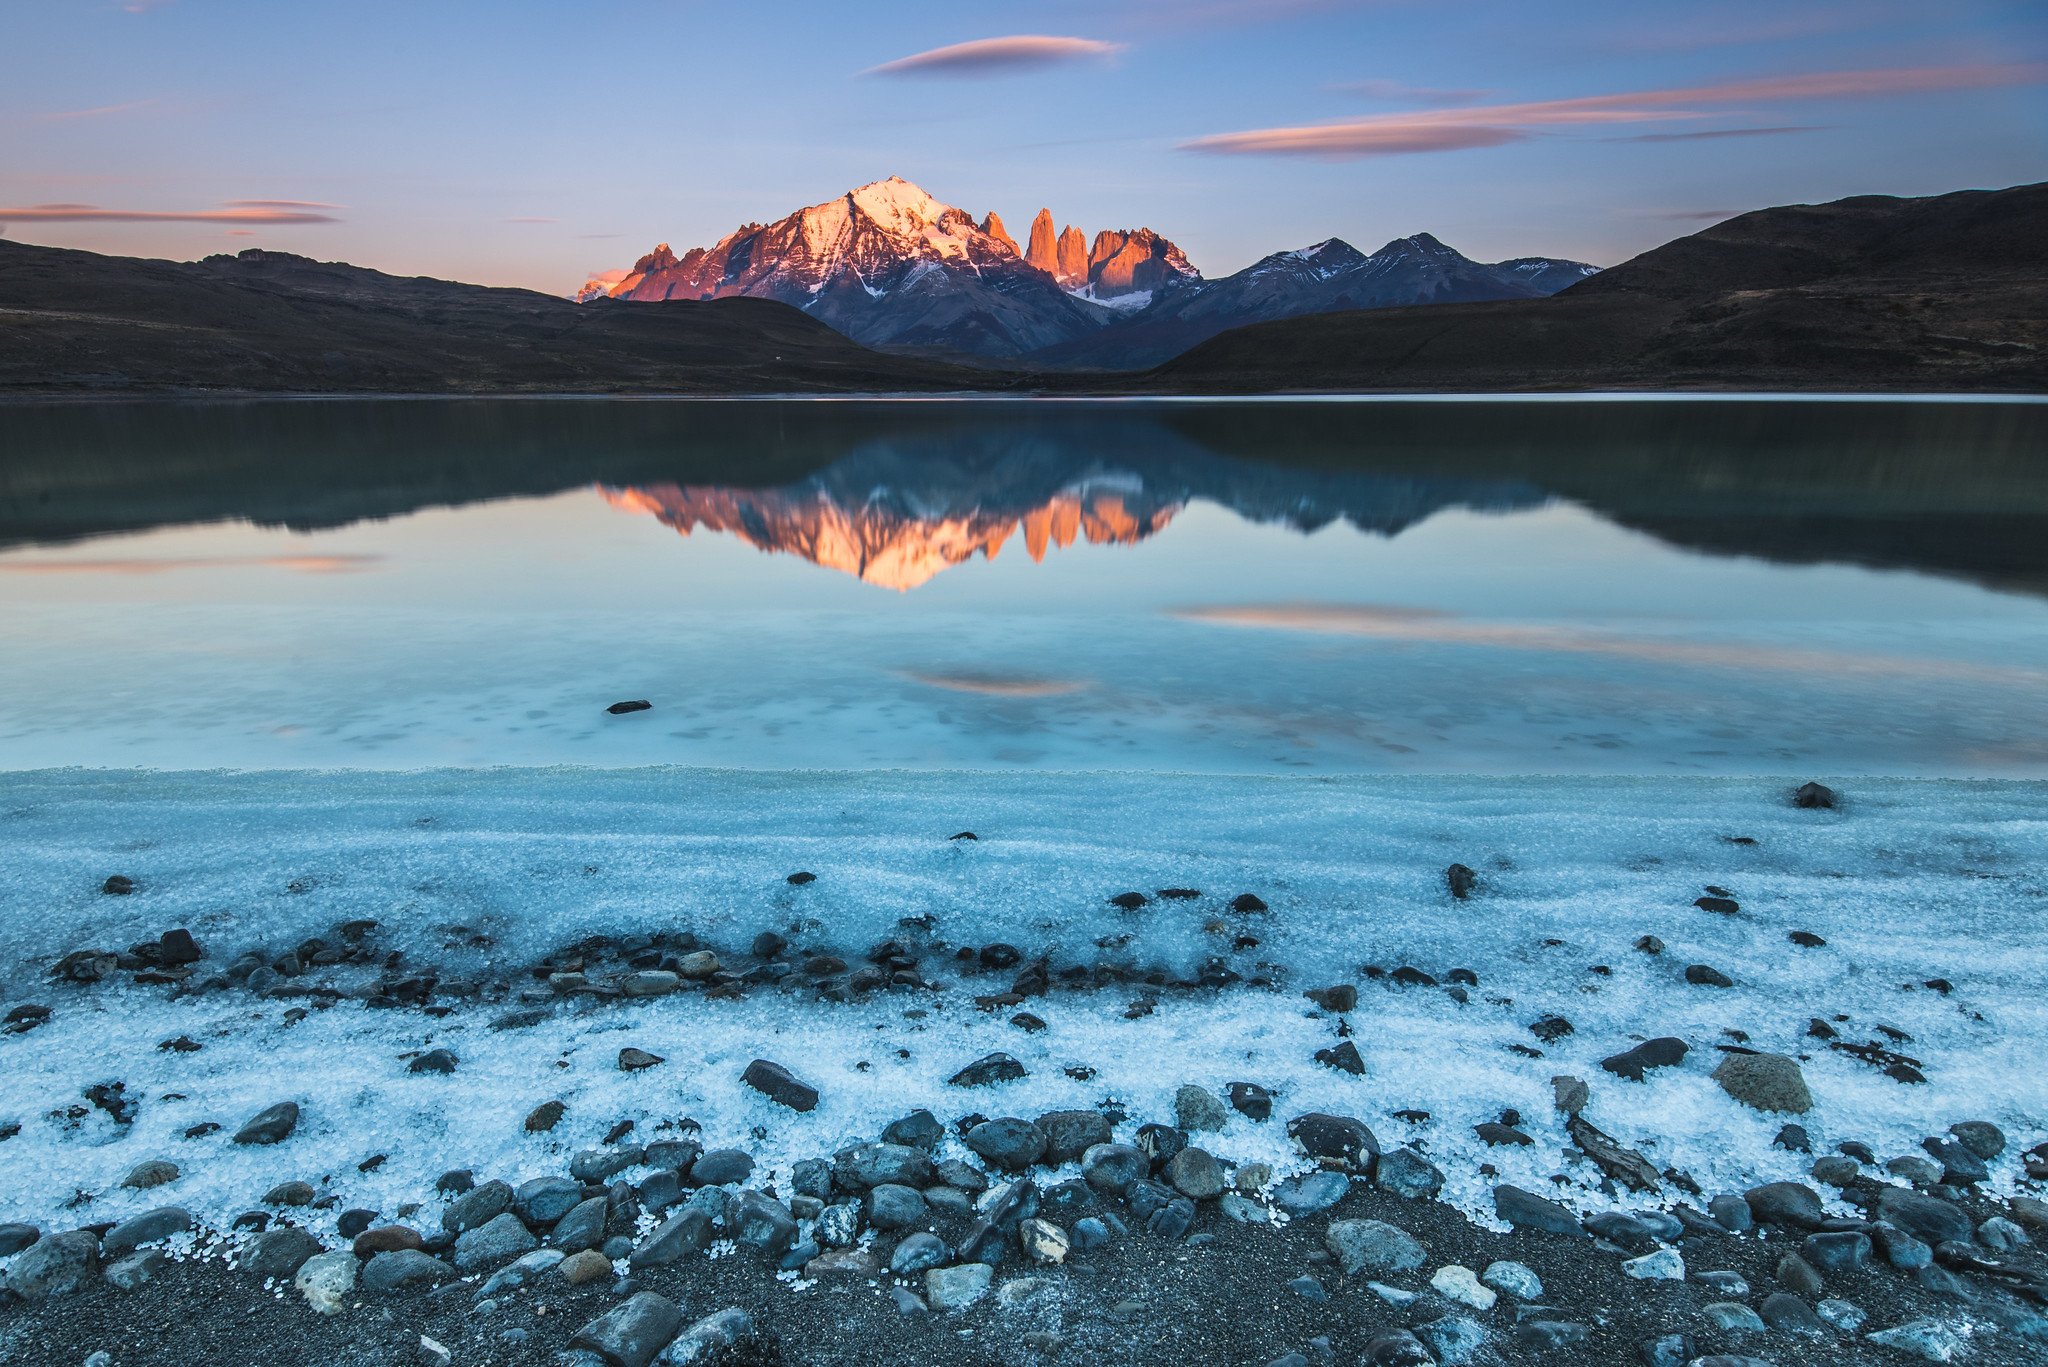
[{"x": 892, "y": 267}]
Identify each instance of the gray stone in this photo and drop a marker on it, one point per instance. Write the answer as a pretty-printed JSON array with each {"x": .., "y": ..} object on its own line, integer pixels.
[
  {"x": 1454, "y": 1339},
  {"x": 1665, "y": 1265},
  {"x": 1671, "y": 1350},
  {"x": 1846, "y": 1316},
  {"x": 652, "y": 982},
  {"x": 1766, "y": 1082},
  {"x": 154, "y": 1172},
  {"x": 989, "y": 1070},
  {"x": 711, "y": 1335},
  {"x": 1198, "y": 1108},
  {"x": 1070, "y": 1134},
  {"x": 1309, "y": 1289},
  {"x": 541, "y": 1201},
  {"x": 1407, "y": 1173},
  {"x": 1733, "y": 1317},
  {"x": 55, "y": 1265},
  {"x": 1921, "y": 1172},
  {"x": 1196, "y": 1174},
  {"x": 14, "y": 1238},
  {"x": 1791, "y": 1204},
  {"x": 270, "y": 1126},
  {"x": 2001, "y": 1235},
  {"x": 1372, "y": 1246},
  {"x": 326, "y": 1281},
  {"x": 1790, "y": 1315},
  {"x": 151, "y": 1227},
  {"x": 631, "y": 1333},
  {"x": 839, "y": 1225},
  {"x": 1959, "y": 1166},
  {"x": 477, "y": 1206},
  {"x": 688, "y": 1231},
  {"x": 278, "y": 1252},
  {"x": 895, "y": 1207},
  {"x": 1663, "y": 1052},
  {"x": 499, "y": 1239},
  {"x": 402, "y": 1270},
  {"x": 521, "y": 1270},
  {"x": 1513, "y": 1279},
  {"x": 582, "y": 1228},
  {"x": 956, "y": 1288},
  {"x": 1242, "y": 1210},
  {"x": 1173, "y": 1219},
  {"x": 1526, "y": 1210},
  {"x": 1928, "y": 1218},
  {"x": 1043, "y": 1241},
  {"x": 1930, "y": 1339},
  {"x": 779, "y": 1085},
  {"x": 594, "y": 1166},
  {"x": 870, "y": 1165},
  {"x": 132, "y": 1271},
  {"x": 1009, "y": 1143},
  {"x": 722, "y": 1168},
  {"x": 1836, "y": 1252},
  {"x": 1901, "y": 1249},
  {"x": 1732, "y": 1213},
  {"x": 1733, "y": 1285},
  {"x": 761, "y": 1222},
  {"x": 1834, "y": 1170},
  {"x": 1396, "y": 1347},
  {"x": 918, "y": 1252},
  {"x": 1089, "y": 1232},
  {"x": 1797, "y": 1274},
  {"x": 1980, "y": 1137},
  {"x": 1322, "y": 1135},
  {"x": 1112, "y": 1169},
  {"x": 919, "y": 1130},
  {"x": 1310, "y": 1192}
]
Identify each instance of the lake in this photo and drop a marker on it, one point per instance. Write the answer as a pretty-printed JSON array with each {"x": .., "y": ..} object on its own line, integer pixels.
[{"x": 1400, "y": 586}]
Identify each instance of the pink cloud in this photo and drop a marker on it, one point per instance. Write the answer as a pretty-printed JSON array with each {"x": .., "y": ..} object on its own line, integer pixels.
[
  {"x": 985, "y": 55},
  {"x": 279, "y": 204},
  {"x": 1707, "y": 134},
  {"x": 92, "y": 213},
  {"x": 1442, "y": 130}
]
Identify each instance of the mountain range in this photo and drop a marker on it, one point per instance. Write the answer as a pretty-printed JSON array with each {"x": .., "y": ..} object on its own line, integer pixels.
[{"x": 892, "y": 267}]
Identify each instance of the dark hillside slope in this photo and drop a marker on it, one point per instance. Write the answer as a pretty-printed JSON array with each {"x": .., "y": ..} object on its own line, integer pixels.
[
  {"x": 1949, "y": 292},
  {"x": 75, "y": 322}
]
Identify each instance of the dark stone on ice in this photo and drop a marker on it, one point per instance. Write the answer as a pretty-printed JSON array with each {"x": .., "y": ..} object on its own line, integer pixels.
[
  {"x": 1250, "y": 1099},
  {"x": 1010, "y": 1143},
  {"x": 1927, "y": 1218},
  {"x": 1980, "y": 1137},
  {"x": 919, "y": 1130},
  {"x": 14, "y": 1238},
  {"x": 1460, "y": 880},
  {"x": 987, "y": 1070},
  {"x": 1343, "y": 1057},
  {"x": 1663, "y": 1052},
  {"x": 1070, "y": 1134},
  {"x": 1551, "y": 1029},
  {"x": 118, "y": 885},
  {"x": 801, "y": 877},
  {"x": 1813, "y": 796},
  {"x": 1340, "y": 998},
  {"x": 433, "y": 1061},
  {"x": 1322, "y": 1135},
  {"x": 1706, "y": 975},
  {"x": 1247, "y": 902},
  {"x": 176, "y": 947},
  {"x": 270, "y": 1126},
  {"x": 632, "y": 1060},
  {"x": 630, "y": 1334},
  {"x": 1495, "y": 1134},
  {"x": 1527, "y": 1210},
  {"x": 963, "y": 835},
  {"x": 1129, "y": 901},
  {"x": 685, "y": 1233},
  {"x": 778, "y": 1084},
  {"x": 619, "y": 709},
  {"x": 1793, "y": 1139},
  {"x": 721, "y": 1168},
  {"x": 1806, "y": 939},
  {"x": 1178, "y": 894},
  {"x": 1784, "y": 1203},
  {"x": 1959, "y": 1166},
  {"x": 1726, "y": 906},
  {"x": 278, "y": 1252}
]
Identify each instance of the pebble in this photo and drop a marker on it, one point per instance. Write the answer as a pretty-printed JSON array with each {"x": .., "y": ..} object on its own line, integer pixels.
[
  {"x": 956, "y": 1288},
  {"x": 1766, "y": 1082},
  {"x": 631, "y": 1333},
  {"x": 1926, "y": 1338},
  {"x": 1406, "y": 1173},
  {"x": 151, "y": 1227},
  {"x": 1372, "y": 1246},
  {"x": 1733, "y": 1317},
  {"x": 1513, "y": 1279},
  {"x": 918, "y": 1252},
  {"x": 1526, "y": 1210},
  {"x": 894, "y": 1207},
  {"x": 1198, "y": 1108},
  {"x": 1665, "y": 1265},
  {"x": 1461, "y": 1284},
  {"x": 988, "y": 1070},
  {"x": 1663, "y": 1052},
  {"x": 434, "y": 1061},
  {"x": 499, "y": 1239},
  {"x": 270, "y": 1126},
  {"x": 326, "y": 1279},
  {"x": 1196, "y": 1174},
  {"x": 1043, "y": 1241},
  {"x": 154, "y": 1172},
  {"x": 632, "y": 1060},
  {"x": 403, "y": 1270},
  {"x": 1009, "y": 1143},
  {"x": 585, "y": 1266}
]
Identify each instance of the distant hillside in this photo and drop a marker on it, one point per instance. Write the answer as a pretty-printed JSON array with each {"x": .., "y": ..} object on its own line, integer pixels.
[
  {"x": 1949, "y": 292},
  {"x": 75, "y": 321}
]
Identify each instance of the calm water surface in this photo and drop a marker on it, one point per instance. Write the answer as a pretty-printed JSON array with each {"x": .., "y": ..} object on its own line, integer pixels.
[{"x": 1503, "y": 587}]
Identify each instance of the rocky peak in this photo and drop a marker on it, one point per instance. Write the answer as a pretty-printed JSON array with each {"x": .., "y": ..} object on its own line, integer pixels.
[
  {"x": 993, "y": 227},
  {"x": 660, "y": 259},
  {"x": 1072, "y": 268},
  {"x": 1135, "y": 260},
  {"x": 1043, "y": 251}
]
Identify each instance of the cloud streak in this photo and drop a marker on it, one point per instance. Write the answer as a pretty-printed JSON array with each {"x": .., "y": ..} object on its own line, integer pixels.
[
  {"x": 1413, "y": 94},
  {"x": 240, "y": 211},
  {"x": 98, "y": 112},
  {"x": 994, "y": 56},
  {"x": 1707, "y": 134},
  {"x": 1446, "y": 130}
]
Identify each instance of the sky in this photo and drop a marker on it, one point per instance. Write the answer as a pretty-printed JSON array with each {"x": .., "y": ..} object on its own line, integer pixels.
[{"x": 538, "y": 142}]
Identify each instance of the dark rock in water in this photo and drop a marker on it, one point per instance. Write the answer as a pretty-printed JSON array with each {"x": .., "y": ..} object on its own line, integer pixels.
[
  {"x": 619, "y": 709},
  {"x": 1178, "y": 894},
  {"x": 801, "y": 877},
  {"x": 1793, "y": 1139},
  {"x": 1010, "y": 1143},
  {"x": 919, "y": 1129},
  {"x": 987, "y": 1070},
  {"x": 1663, "y": 1052},
  {"x": 1070, "y": 1134},
  {"x": 778, "y": 1084},
  {"x": 545, "y": 1117},
  {"x": 630, "y": 1334},
  {"x": 1250, "y": 1099},
  {"x": 963, "y": 835},
  {"x": 1130, "y": 901},
  {"x": 1725, "y": 906},
  {"x": 56, "y": 1265},
  {"x": 1113, "y": 1169},
  {"x": 1706, "y": 975},
  {"x": 433, "y": 1061},
  {"x": 1342, "y": 997},
  {"x": 1527, "y": 1210},
  {"x": 870, "y": 1165},
  {"x": 632, "y": 1060},
  {"x": 1343, "y": 1057},
  {"x": 1813, "y": 796},
  {"x": 278, "y": 1252},
  {"x": 1806, "y": 939},
  {"x": 1927, "y": 1218},
  {"x": 118, "y": 885},
  {"x": 1767, "y": 1082},
  {"x": 1959, "y": 1166},
  {"x": 1791, "y": 1204},
  {"x": 1322, "y": 1135},
  {"x": 1247, "y": 903},
  {"x": 1551, "y": 1029},
  {"x": 1460, "y": 880},
  {"x": 722, "y": 1168},
  {"x": 1496, "y": 1135},
  {"x": 270, "y": 1126}
]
